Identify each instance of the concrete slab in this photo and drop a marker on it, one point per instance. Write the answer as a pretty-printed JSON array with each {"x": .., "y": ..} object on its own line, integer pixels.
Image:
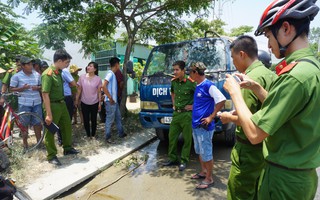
[{"x": 51, "y": 185}]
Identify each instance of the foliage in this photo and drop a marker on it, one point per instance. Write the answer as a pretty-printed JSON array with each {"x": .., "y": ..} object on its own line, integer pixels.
[
  {"x": 314, "y": 35},
  {"x": 14, "y": 39},
  {"x": 138, "y": 69},
  {"x": 314, "y": 38},
  {"x": 175, "y": 30},
  {"x": 235, "y": 32},
  {"x": 89, "y": 21}
]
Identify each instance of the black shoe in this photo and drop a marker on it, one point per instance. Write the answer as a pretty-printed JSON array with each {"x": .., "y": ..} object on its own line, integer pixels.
[
  {"x": 170, "y": 163},
  {"x": 182, "y": 166},
  {"x": 55, "y": 161},
  {"x": 71, "y": 151},
  {"x": 110, "y": 141},
  {"x": 123, "y": 135}
]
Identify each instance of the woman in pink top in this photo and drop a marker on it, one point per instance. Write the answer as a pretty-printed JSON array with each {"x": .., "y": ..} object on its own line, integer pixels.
[{"x": 89, "y": 87}]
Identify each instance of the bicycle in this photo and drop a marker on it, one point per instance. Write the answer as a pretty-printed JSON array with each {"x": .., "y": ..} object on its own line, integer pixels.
[
  {"x": 8, "y": 190},
  {"x": 16, "y": 124}
]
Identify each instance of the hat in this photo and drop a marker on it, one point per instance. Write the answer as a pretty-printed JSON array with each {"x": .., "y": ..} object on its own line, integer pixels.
[
  {"x": 25, "y": 60},
  {"x": 44, "y": 64},
  {"x": 200, "y": 66},
  {"x": 37, "y": 61},
  {"x": 74, "y": 68}
]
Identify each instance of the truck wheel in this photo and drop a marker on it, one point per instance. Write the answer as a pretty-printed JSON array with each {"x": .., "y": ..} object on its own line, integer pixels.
[
  {"x": 229, "y": 134},
  {"x": 162, "y": 134}
]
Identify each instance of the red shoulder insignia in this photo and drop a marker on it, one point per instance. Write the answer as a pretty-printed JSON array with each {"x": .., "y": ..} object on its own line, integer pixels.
[{"x": 287, "y": 68}]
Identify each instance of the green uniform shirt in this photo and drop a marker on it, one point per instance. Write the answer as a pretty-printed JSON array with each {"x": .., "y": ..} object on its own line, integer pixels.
[
  {"x": 76, "y": 78},
  {"x": 52, "y": 83},
  {"x": 7, "y": 77},
  {"x": 259, "y": 73},
  {"x": 290, "y": 114},
  {"x": 13, "y": 99},
  {"x": 183, "y": 92}
]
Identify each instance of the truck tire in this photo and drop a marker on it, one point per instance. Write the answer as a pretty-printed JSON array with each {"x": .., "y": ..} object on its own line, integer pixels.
[
  {"x": 162, "y": 134},
  {"x": 230, "y": 134}
]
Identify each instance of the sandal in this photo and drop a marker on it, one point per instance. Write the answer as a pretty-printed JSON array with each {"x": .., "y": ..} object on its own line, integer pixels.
[
  {"x": 204, "y": 185},
  {"x": 198, "y": 176}
]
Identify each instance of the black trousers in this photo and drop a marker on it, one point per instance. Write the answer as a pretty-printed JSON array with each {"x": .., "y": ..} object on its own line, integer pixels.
[
  {"x": 90, "y": 113},
  {"x": 70, "y": 105}
]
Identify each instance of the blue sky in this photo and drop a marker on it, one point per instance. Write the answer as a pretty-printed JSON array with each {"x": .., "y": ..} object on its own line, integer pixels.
[{"x": 248, "y": 12}]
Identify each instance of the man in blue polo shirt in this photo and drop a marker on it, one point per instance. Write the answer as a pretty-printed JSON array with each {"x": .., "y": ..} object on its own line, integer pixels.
[
  {"x": 207, "y": 102},
  {"x": 68, "y": 82},
  {"x": 28, "y": 83}
]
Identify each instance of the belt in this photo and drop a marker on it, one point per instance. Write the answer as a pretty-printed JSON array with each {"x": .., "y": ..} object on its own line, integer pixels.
[
  {"x": 243, "y": 141},
  {"x": 287, "y": 168},
  {"x": 205, "y": 127},
  {"x": 58, "y": 101},
  {"x": 181, "y": 110}
]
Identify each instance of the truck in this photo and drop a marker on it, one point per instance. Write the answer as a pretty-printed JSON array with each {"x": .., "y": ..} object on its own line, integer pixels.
[{"x": 155, "y": 99}]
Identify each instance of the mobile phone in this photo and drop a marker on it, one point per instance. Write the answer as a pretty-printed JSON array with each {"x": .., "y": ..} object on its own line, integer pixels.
[{"x": 236, "y": 78}]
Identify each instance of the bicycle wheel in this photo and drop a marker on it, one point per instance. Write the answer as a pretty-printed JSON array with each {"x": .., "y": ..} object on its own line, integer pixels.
[
  {"x": 21, "y": 195},
  {"x": 21, "y": 127}
]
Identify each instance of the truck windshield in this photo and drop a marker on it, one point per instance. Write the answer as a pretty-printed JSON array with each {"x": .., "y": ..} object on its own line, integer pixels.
[{"x": 210, "y": 51}]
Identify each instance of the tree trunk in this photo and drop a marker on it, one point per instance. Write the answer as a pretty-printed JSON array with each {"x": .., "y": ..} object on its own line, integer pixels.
[{"x": 123, "y": 108}]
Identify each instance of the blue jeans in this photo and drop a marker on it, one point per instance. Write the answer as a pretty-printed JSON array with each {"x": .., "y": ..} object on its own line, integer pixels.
[
  {"x": 113, "y": 114},
  {"x": 203, "y": 143},
  {"x": 30, "y": 120}
]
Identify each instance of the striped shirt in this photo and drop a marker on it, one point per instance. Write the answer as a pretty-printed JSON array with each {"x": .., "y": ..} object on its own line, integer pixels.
[{"x": 27, "y": 97}]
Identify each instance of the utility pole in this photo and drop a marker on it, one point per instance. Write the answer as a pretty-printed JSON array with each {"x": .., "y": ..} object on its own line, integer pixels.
[
  {"x": 220, "y": 7},
  {"x": 213, "y": 9}
]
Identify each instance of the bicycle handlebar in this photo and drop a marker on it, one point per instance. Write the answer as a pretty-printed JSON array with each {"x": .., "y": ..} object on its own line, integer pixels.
[{"x": 9, "y": 94}]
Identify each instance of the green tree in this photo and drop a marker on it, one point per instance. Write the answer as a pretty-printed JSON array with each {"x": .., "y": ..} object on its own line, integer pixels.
[
  {"x": 175, "y": 31},
  {"x": 87, "y": 20},
  {"x": 235, "y": 32},
  {"x": 314, "y": 38},
  {"x": 14, "y": 39}
]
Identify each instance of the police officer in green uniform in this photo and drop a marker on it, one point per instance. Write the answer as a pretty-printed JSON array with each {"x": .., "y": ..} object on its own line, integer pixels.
[
  {"x": 9, "y": 74},
  {"x": 55, "y": 106},
  {"x": 289, "y": 119},
  {"x": 182, "y": 90},
  {"x": 6, "y": 83},
  {"x": 244, "y": 175}
]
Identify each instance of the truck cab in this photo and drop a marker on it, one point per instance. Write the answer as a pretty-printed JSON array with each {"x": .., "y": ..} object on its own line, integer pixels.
[{"x": 156, "y": 105}]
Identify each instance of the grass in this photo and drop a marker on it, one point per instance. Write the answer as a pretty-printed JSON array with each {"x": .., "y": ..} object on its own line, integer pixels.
[{"x": 24, "y": 168}]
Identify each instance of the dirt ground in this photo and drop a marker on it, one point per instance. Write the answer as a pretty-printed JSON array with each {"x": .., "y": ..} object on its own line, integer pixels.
[{"x": 26, "y": 168}]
